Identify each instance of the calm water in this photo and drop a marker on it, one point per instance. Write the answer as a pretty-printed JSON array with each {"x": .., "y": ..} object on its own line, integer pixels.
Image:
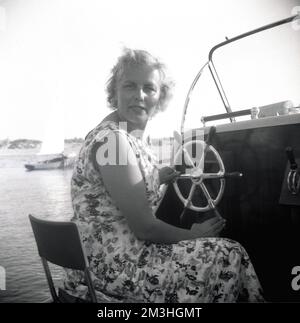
[{"x": 45, "y": 194}]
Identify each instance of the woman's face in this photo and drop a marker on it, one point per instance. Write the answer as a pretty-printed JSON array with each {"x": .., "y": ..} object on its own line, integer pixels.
[{"x": 138, "y": 93}]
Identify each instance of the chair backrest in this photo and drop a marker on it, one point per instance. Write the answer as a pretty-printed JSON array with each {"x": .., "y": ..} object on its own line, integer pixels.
[{"x": 59, "y": 243}]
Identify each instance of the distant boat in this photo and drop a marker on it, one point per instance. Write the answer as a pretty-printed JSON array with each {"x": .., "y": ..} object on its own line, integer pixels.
[
  {"x": 54, "y": 163},
  {"x": 51, "y": 154}
]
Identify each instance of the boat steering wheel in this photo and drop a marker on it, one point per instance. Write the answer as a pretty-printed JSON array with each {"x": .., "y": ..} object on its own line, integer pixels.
[
  {"x": 195, "y": 171},
  {"x": 197, "y": 174}
]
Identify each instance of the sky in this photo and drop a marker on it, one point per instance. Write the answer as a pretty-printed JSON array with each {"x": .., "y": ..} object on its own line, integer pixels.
[{"x": 56, "y": 56}]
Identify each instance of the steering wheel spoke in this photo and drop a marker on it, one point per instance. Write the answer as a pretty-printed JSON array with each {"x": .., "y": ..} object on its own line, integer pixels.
[
  {"x": 202, "y": 159},
  {"x": 188, "y": 201},
  {"x": 213, "y": 175},
  {"x": 210, "y": 201},
  {"x": 187, "y": 154}
]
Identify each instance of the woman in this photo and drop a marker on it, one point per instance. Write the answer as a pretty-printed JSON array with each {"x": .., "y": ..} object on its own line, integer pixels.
[{"x": 115, "y": 188}]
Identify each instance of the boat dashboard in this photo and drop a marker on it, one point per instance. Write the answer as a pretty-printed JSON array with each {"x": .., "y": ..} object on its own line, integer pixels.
[{"x": 248, "y": 172}]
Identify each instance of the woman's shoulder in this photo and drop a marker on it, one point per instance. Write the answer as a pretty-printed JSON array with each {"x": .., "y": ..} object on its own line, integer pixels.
[
  {"x": 104, "y": 128},
  {"x": 107, "y": 132}
]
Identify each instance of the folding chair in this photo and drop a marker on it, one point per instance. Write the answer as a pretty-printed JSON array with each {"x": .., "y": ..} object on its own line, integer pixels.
[{"x": 59, "y": 243}]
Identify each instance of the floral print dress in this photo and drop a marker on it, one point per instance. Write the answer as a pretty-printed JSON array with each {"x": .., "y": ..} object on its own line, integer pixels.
[{"x": 127, "y": 269}]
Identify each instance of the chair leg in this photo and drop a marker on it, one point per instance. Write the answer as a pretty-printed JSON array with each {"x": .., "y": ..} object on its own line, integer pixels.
[
  {"x": 50, "y": 281},
  {"x": 90, "y": 285}
]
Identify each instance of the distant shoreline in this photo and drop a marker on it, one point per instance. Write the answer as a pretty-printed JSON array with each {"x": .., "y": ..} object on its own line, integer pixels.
[
  {"x": 36, "y": 144},
  {"x": 31, "y": 143}
]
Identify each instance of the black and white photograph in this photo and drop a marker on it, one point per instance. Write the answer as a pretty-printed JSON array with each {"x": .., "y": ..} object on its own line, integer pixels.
[{"x": 149, "y": 153}]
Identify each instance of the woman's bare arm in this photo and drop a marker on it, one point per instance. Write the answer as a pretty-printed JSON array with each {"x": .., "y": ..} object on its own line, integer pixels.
[{"x": 127, "y": 188}]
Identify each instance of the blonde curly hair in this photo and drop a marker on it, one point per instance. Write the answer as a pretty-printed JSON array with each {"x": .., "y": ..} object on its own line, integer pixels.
[{"x": 135, "y": 57}]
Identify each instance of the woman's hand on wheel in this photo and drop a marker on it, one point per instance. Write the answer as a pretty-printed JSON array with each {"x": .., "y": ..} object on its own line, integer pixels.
[
  {"x": 209, "y": 228},
  {"x": 167, "y": 175}
]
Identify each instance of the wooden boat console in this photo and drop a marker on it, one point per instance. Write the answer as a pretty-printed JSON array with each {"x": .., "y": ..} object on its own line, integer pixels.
[
  {"x": 262, "y": 207},
  {"x": 257, "y": 206}
]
